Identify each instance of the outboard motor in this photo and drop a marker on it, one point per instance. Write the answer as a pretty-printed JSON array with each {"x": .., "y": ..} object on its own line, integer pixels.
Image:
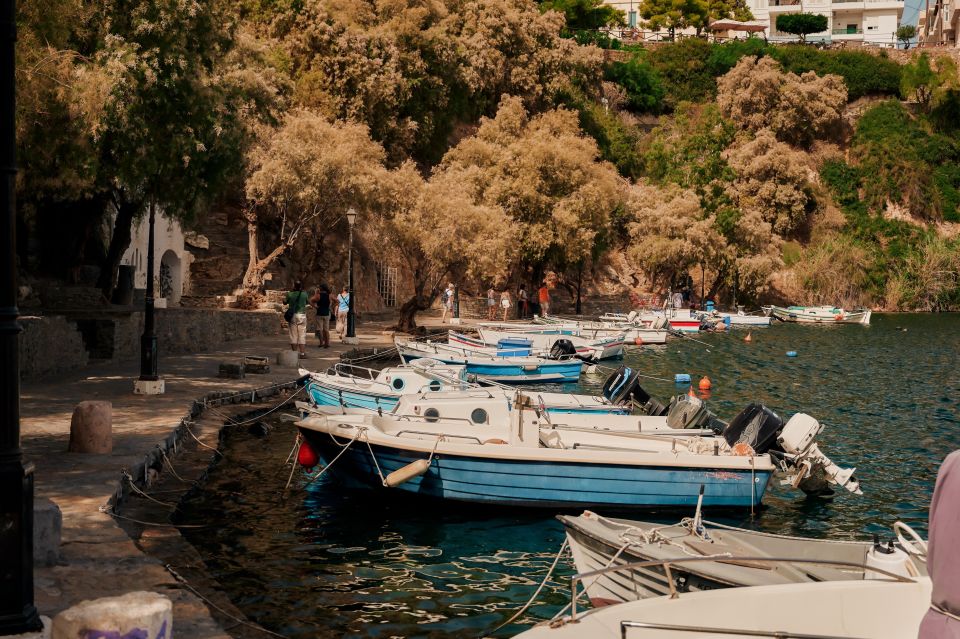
[
  {"x": 687, "y": 412},
  {"x": 756, "y": 426},
  {"x": 562, "y": 349},
  {"x": 623, "y": 385}
]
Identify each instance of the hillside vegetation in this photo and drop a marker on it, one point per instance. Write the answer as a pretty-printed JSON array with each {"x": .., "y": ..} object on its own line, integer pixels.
[{"x": 485, "y": 144}]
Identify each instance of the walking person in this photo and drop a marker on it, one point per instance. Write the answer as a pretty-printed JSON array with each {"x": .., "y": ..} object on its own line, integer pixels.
[
  {"x": 505, "y": 304},
  {"x": 523, "y": 303},
  {"x": 543, "y": 296},
  {"x": 447, "y": 302},
  {"x": 343, "y": 307},
  {"x": 491, "y": 304},
  {"x": 296, "y": 317},
  {"x": 321, "y": 301}
]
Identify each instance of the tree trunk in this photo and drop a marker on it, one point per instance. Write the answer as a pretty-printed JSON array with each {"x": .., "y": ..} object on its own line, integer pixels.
[
  {"x": 119, "y": 243},
  {"x": 256, "y": 267},
  {"x": 407, "y": 322}
]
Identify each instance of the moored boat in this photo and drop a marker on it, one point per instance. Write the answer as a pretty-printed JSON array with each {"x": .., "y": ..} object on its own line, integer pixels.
[
  {"x": 509, "y": 368},
  {"x": 607, "y": 347},
  {"x": 818, "y": 314}
]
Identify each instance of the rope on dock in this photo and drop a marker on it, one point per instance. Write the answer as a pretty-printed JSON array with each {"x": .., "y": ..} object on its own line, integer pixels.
[{"x": 230, "y": 421}]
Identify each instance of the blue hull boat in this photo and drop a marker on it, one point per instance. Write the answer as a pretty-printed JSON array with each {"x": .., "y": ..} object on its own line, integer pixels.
[
  {"x": 545, "y": 484},
  {"x": 517, "y": 370}
]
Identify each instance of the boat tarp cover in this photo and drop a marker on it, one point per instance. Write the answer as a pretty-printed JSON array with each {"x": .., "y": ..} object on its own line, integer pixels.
[{"x": 943, "y": 555}]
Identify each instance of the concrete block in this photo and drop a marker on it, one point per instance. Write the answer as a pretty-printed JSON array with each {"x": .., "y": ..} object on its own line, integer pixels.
[
  {"x": 149, "y": 387},
  {"x": 351, "y": 340},
  {"x": 254, "y": 364},
  {"x": 289, "y": 359},
  {"x": 145, "y": 615},
  {"x": 91, "y": 428},
  {"x": 42, "y": 634},
  {"x": 231, "y": 370},
  {"x": 47, "y": 525}
]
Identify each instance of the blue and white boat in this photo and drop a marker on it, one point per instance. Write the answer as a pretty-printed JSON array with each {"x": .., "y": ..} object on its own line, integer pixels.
[
  {"x": 347, "y": 386},
  {"x": 517, "y": 369},
  {"x": 543, "y": 340},
  {"x": 531, "y": 461}
]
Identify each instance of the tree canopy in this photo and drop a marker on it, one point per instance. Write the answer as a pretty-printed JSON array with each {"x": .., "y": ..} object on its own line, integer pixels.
[
  {"x": 675, "y": 14},
  {"x": 801, "y": 24}
]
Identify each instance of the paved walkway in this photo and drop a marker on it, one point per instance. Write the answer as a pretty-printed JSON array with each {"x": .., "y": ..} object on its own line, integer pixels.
[{"x": 98, "y": 558}]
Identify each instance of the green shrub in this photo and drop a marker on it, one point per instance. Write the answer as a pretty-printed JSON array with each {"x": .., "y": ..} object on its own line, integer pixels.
[
  {"x": 864, "y": 74},
  {"x": 684, "y": 71},
  {"x": 641, "y": 82}
]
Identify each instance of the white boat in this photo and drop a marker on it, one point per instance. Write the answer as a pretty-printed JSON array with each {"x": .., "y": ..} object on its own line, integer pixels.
[
  {"x": 607, "y": 347},
  {"x": 347, "y": 386},
  {"x": 598, "y": 542},
  {"x": 875, "y": 609},
  {"x": 740, "y": 318},
  {"x": 633, "y": 334},
  {"x": 487, "y": 365},
  {"x": 527, "y": 462},
  {"x": 678, "y": 319},
  {"x": 818, "y": 314}
]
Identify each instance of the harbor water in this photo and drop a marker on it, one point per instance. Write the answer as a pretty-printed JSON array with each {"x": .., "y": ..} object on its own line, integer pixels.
[{"x": 328, "y": 562}]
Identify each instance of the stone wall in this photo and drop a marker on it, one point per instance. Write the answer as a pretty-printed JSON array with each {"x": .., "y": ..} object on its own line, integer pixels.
[{"x": 54, "y": 345}]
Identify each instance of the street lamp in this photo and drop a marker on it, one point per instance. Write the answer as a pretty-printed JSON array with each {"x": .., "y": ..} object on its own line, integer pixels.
[
  {"x": 351, "y": 336},
  {"x": 17, "y": 612},
  {"x": 149, "y": 383}
]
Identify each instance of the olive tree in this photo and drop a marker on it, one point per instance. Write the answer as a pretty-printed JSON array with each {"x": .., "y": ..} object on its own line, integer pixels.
[{"x": 801, "y": 24}]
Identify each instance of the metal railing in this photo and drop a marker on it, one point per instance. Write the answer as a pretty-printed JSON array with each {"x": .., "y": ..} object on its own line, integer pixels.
[
  {"x": 857, "y": 31},
  {"x": 776, "y": 634},
  {"x": 667, "y": 565}
]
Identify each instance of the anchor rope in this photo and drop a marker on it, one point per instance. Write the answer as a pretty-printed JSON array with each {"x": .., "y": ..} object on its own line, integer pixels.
[
  {"x": 332, "y": 461},
  {"x": 231, "y": 421},
  {"x": 133, "y": 485}
]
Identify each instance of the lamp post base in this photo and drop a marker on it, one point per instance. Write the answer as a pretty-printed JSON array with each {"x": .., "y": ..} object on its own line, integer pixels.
[
  {"x": 351, "y": 340},
  {"x": 455, "y": 320},
  {"x": 149, "y": 387}
]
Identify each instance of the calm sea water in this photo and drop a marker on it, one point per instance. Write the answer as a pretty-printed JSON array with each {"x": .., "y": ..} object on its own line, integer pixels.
[{"x": 327, "y": 562}]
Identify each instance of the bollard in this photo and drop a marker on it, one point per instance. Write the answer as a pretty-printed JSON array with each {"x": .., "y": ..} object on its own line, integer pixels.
[
  {"x": 288, "y": 358},
  {"x": 91, "y": 428},
  {"x": 135, "y": 614}
]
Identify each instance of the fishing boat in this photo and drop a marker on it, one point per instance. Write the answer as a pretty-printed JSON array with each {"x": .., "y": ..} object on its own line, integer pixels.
[
  {"x": 678, "y": 319},
  {"x": 525, "y": 462},
  {"x": 634, "y": 334},
  {"x": 818, "y": 314},
  {"x": 598, "y": 542},
  {"x": 543, "y": 341},
  {"x": 887, "y": 608},
  {"x": 348, "y": 386},
  {"x": 507, "y": 367}
]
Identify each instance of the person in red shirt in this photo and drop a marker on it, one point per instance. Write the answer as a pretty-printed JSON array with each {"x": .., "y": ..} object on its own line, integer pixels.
[{"x": 543, "y": 296}]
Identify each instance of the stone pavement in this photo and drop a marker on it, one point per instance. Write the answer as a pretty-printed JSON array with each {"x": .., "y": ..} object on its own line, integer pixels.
[{"x": 98, "y": 558}]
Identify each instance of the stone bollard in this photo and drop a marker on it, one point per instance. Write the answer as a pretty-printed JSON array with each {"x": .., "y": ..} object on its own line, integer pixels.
[
  {"x": 145, "y": 615},
  {"x": 288, "y": 358},
  {"x": 47, "y": 524},
  {"x": 91, "y": 428}
]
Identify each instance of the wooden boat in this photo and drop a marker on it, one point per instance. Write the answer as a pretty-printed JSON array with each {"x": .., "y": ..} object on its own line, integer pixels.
[
  {"x": 512, "y": 369},
  {"x": 632, "y": 334},
  {"x": 818, "y": 314},
  {"x": 876, "y": 609},
  {"x": 598, "y": 542},
  {"x": 527, "y": 463}
]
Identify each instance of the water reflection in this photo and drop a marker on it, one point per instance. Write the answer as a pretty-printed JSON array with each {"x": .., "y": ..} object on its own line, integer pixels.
[{"x": 329, "y": 562}]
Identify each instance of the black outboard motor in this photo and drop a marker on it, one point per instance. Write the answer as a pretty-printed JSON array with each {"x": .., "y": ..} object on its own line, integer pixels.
[
  {"x": 623, "y": 385},
  {"x": 757, "y": 426},
  {"x": 563, "y": 349}
]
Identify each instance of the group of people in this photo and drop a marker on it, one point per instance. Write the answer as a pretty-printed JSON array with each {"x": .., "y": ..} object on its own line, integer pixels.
[
  {"x": 525, "y": 306},
  {"x": 330, "y": 312}
]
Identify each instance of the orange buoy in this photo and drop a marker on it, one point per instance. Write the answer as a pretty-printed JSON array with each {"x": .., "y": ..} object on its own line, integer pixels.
[
  {"x": 705, "y": 383},
  {"x": 748, "y": 338},
  {"x": 638, "y": 341},
  {"x": 690, "y": 392}
]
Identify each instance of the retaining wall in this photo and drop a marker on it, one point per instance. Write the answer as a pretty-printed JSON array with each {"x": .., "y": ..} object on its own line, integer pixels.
[{"x": 54, "y": 345}]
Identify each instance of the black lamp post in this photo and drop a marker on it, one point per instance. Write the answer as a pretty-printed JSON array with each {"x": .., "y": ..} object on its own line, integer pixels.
[
  {"x": 148, "y": 341},
  {"x": 456, "y": 304},
  {"x": 17, "y": 612},
  {"x": 351, "y": 336}
]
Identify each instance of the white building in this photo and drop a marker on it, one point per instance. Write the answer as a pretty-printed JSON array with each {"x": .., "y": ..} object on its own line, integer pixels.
[
  {"x": 171, "y": 259},
  {"x": 866, "y": 21}
]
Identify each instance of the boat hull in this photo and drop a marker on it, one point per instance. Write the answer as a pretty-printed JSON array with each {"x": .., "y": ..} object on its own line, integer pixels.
[
  {"x": 817, "y": 315},
  {"x": 543, "y": 484},
  {"x": 509, "y": 373}
]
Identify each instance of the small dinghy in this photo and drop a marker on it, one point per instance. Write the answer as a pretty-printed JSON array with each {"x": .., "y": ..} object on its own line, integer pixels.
[
  {"x": 596, "y": 348},
  {"x": 598, "y": 543},
  {"x": 507, "y": 368}
]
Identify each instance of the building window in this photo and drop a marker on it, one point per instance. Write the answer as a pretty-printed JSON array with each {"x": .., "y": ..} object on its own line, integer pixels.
[{"x": 632, "y": 19}]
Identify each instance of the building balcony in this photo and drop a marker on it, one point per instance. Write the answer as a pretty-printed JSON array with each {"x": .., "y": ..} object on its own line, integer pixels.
[{"x": 853, "y": 33}]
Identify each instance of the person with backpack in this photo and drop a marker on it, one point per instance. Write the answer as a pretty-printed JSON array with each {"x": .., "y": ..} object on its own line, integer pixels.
[
  {"x": 296, "y": 318},
  {"x": 321, "y": 301},
  {"x": 343, "y": 307}
]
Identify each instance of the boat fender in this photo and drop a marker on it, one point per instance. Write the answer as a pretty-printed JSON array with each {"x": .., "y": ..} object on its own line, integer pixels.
[
  {"x": 306, "y": 456},
  {"x": 406, "y": 473},
  {"x": 681, "y": 378},
  {"x": 638, "y": 341},
  {"x": 791, "y": 353},
  {"x": 742, "y": 449}
]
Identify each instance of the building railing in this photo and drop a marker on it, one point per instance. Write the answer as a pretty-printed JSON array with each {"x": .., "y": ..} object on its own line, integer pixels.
[{"x": 857, "y": 31}]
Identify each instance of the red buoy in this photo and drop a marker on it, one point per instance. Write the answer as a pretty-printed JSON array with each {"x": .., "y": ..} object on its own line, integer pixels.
[
  {"x": 638, "y": 341},
  {"x": 306, "y": 456},
  {"x": 705, "y": 383}
]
